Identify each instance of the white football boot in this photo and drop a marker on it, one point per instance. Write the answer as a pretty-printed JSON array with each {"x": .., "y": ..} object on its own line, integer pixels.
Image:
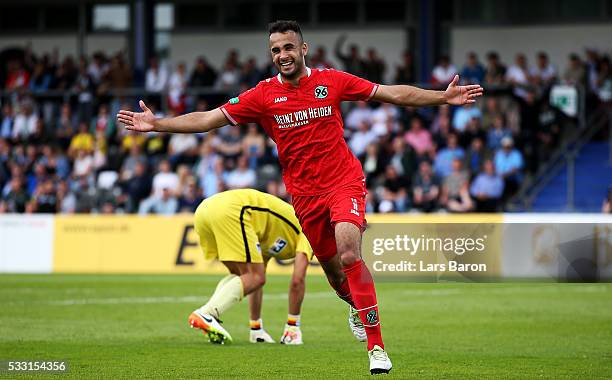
[
  {"x": 292, "y": 335},
  {"x": 356, "y": 325},
  {"x": 260, "y": 336},
  {"x": 210, "y": 326},
  {"x": 379, "y": 361}
]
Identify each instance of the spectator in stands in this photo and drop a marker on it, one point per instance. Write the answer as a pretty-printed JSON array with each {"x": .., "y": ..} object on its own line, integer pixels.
[
  {"x": 65, "y": 126},
  {"x": 455, "y": 196},
  {"x": 250, "y": 74},
  {"x": 137, "y": 187},
  {"x": 41, "y": 78},
  {"x": 443, "y": 164},
  {"x": 16, "y": 197},
  {"x": 85, "y": 88},
  {"x": 491, "y": 110},
  {"x": 190, "y": 199},
  {"x": 319, "y": 59},
  {"x": 103, "y": 122},
  {"x": 544, "y": 74},
  {"x": 66, "y": 199},
  {"x": 228, "y": 142},
  {"x": 487, "y": 188},
  {"x": 45, "y": 197},
  {"x": 575, "y": 74},
  {"x": 66, "y": 74},
  {"x": 118, "y": 76},
  {"x": 254, "y": 146},
  {"x": 497, "y": 133},
  {"x": 444, "y": 72},
  {"x": 17, "y": 77},
  {"x": 242, "y": 176},
  {"x": 373, "y": 162},
  {"x": 418, "y": 137},
  {"x": 183, "y": 148},
  {"x": 81, "y": 141},
  {"x": 361, "y": 112},
  {"x": 25, "y": 122},
  {"x": 463, "y": 115},
  {"x": 6, "y": 123},
  {"x": 362, "y": 138},
  {"x": 405, "y": 73},
  {"x": 404, "y": 158},
  {"x": 374, "y": 67},
  {"x": 426, "y": 188},
  {"x": 351, "y": 62},
  {"x": 177, "y": 85},
  {"x": 98, "y": 67},
  {"x": 164, "y": 181},
  {"x": 156, "y": 77},
  {"x": 508, "y": 164},
  {"x": 476, "y": 155},
  {"x": 496, "y": 71},
  {"x": 165, "y": 204},
  {"x": 203, "y": 75},
  {"x": 473, "y": 71},
  {"x": 395, "y": 191},
  {"x": 229, "y": 78},
  {"x": 518, "y": 75},
  {"x": 213, "y": 181}
]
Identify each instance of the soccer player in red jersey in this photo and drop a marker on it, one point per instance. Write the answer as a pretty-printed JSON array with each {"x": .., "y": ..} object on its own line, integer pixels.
[{"x": 300, "y": 110}]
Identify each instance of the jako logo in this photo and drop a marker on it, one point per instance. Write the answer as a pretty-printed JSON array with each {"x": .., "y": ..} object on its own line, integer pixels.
[{"x": 281, "y": 99}]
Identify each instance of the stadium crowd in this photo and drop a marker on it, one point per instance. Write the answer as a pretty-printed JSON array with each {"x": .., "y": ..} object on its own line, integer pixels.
[{"x": 67, "y": 154}]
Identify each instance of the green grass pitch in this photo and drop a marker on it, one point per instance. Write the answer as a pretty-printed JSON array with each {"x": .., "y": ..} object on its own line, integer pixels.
[{"x": 130, "y": 326}]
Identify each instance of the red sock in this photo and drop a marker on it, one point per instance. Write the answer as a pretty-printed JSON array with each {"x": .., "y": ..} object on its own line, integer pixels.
[
  {"x": 364, "y": 294},
  {"x": 344, "y": 293}
]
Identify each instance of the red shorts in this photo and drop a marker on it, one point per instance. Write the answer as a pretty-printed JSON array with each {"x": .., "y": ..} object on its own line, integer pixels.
[{"x": 319, "y": 214}]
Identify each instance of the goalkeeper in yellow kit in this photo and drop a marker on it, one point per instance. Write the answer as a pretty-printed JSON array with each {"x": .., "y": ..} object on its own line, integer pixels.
[{"x": 244, "y": 229}]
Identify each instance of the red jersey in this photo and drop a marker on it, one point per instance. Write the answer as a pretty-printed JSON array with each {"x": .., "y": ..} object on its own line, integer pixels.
[{"x": 306, "y": 124}]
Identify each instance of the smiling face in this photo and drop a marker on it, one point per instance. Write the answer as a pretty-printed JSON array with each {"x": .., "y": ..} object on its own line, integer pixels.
[{"x": 288, "y": 51}]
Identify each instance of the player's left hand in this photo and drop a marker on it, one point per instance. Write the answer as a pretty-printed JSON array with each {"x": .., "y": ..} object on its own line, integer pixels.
[{"x": 460, "y": 95}]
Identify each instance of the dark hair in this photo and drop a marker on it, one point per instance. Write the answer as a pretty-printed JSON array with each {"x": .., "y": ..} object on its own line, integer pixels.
[{"x": 284, "y": 26}]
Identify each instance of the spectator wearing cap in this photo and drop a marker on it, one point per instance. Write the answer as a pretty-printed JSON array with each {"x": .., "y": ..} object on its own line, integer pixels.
[
  {"x": 487, "y": 188},
  {"x": 508, "y": 164},
  {"x": 473, "y": 72}
]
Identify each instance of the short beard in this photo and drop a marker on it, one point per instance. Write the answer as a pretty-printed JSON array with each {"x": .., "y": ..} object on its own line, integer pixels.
[{"x": 296, "y": 72}]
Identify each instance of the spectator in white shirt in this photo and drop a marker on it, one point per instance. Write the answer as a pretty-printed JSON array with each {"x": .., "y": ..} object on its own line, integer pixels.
[
  {"x": 544, "y": 73},
  {"x": 242, "y": 176},
  {"x": 25, "y": 122},
  {"x": 156, "y": 77},
  {"x": 362, "y": 138},
  {"x": 444, "y": 72},
  {"x": 361, "y": 112},
  {"x": 176, "y": 88},
  {"x": 518, "y": 75}
]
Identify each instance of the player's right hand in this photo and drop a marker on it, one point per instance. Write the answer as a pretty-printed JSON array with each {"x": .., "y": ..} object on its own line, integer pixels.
[{"x": 137, "y": 121}]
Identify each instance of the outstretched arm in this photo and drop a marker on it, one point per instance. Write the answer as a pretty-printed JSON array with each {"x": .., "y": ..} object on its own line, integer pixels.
[
  {"x": 190, "y": 123},
  {"x": 413, "y": 96}
]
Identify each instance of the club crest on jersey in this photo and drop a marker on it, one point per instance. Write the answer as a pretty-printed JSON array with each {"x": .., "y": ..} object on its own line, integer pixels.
[
  {"x": 320, "y": 92},
  {"x": 372, "y": 317}
]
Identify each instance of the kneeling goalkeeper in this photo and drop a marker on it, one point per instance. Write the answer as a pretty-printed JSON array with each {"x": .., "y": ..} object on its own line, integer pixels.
[{"x": 244, "y": 229}]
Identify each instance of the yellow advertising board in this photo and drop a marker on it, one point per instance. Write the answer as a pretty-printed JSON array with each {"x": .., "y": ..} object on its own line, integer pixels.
[{"x": 135, "y": 244}]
